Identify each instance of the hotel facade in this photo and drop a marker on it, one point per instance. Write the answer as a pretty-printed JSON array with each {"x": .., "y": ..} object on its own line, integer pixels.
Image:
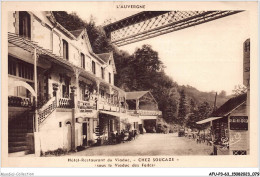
[{"x": 61, "y": 95}]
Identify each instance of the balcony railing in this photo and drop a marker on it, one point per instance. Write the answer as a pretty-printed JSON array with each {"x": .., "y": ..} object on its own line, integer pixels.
[
  {"x": 65, "y": 103},
  {"x": 47, "y": 109},
  {"x": 15, "y": 101},
  {"x": 103, "y": 105},
  {"x": 145, "y": 112},
  {"x": 122, "y": 109}
]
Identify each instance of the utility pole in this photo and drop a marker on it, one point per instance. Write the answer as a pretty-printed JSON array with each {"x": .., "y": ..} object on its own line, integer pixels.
[{"x": 215, "y": 102}]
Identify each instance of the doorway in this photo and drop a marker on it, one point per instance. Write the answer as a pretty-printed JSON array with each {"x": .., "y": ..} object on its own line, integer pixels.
[
  {"x": 85, "y": 133},
  {"x": 67, "y": 135}
]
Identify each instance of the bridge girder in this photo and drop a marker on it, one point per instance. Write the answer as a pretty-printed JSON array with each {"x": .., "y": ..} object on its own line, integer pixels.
[{"x": 149, "y": 24}]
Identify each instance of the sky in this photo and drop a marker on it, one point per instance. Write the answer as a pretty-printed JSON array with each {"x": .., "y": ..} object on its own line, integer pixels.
[{"x": 208, "y": 57}]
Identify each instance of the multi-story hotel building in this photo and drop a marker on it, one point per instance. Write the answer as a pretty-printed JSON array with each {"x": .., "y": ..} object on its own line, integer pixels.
[{"x": 60, "y": 93}]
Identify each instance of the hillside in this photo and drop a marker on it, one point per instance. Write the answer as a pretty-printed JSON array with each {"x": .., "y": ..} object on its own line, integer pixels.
[{"x": 200, "y": 97}]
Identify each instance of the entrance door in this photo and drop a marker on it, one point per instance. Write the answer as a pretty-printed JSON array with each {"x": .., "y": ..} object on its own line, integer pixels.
[
  {"x": 150, "y": 125},
  {"x": 67, "y": 136},
  {"x": 85, "y": 133}
]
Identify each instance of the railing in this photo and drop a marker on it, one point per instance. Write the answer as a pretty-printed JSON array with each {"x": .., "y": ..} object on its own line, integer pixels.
[
  {"x": 114, "y": 108},
  {"x": 103, "y": 105},
  {"x": 47, "y": 109},
  {"x": 107, "y": 107},
  {"x": 122, "y": 109},
  {"x": 145, "y": 112},
  {"x": 16, "y": 101},
  {"x": 65, "y": 103}
]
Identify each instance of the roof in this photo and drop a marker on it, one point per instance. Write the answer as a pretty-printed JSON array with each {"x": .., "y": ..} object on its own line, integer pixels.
[
  {"x": 77, "y": 32},
  {"x": 135, "y": 95},
  {"x": 52, "y": 18},
  {"x": 230, "y": 105},
  {"x": 208, "y": 120},
  {"x": 104, "y": 56}
]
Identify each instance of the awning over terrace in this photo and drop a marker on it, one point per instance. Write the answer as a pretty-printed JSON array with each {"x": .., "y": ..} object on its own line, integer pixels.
[
  {"x": 122, "y": 116},
  {"x": 208, "y": 120},
  {"x": 115, "y": 114},
  {"x": 30, "y": 46}
]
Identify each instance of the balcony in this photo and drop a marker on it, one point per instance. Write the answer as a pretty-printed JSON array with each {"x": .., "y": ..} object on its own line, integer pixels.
[
  {"x": 145, "y": 112},
  {"x": 65, "y": 103},
  {"x": 104, "y": 105},
  {"x": 15, "y": 101}
]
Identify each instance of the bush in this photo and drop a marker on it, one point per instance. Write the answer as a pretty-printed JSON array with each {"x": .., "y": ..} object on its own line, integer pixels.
[
  {"x": 57, "y": 152},
  {"x": 91, "y": 142},
  {"x": 80, "y": 148}
]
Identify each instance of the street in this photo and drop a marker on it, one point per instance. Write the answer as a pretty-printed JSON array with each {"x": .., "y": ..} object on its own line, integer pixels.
[{"x": 150, "y": 145}]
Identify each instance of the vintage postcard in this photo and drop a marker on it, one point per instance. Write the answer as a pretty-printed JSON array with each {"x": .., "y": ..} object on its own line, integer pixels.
[{"x": 129, "y": 84}]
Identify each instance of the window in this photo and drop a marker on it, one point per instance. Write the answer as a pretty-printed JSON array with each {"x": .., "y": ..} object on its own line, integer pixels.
[
  {"x": 93, "y": 67},
  {"x": 65, "y": 88},
  {"x": 110, "y": 78},
  {"x": 25, "y": 70},
  {"x": 24, "y": 24},
  {"x": 95, "y": 124},
  {"x": 102, "y": 73},
  {"x": 12, "y": 67},
  {"x": 102, "y": 93},
  {"x": 65, "y": 49},
  {"x": 109, "y": 62},
  {"x": 20, "y": 68},
  {"x": 82, "y": 60},
  {"x": 82, "y": 97},
  {"x": 111, "y": 125}
]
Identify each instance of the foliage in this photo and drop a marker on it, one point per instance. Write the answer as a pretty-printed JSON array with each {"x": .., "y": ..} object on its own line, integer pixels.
[
  {"x": 126, "y": 124},
  {"x": 203, "y": 112},
  {"x": 183, "y": 108},
  {"x": 57, "y": 152},
  {"x": 91, "y": 142},
  {"x": 238, "y": 90},
  {"x": 69, "y": 21}
]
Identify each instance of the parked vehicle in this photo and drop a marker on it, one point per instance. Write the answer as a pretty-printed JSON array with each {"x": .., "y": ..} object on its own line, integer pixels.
[{"x": 181, "y": 132}]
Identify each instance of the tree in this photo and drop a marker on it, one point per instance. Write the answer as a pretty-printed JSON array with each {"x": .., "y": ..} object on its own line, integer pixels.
[
  {"x": 145, "y": 65},
  {"x": 183, "y": 108},
  {"x": 223, "y": 93},
  {"x": 69, "y": 21},
  {"x": 192, "y": 106},
  {"x": 239, "y": 89},
  {"x": 203, "y": 112}
]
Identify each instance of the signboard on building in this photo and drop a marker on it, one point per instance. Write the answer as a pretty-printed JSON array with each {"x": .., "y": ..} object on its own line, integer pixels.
[{"x": 238, "y": 123}]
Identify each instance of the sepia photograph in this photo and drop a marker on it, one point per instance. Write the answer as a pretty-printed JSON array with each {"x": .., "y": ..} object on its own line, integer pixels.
[{"x": 128, "y": 80}]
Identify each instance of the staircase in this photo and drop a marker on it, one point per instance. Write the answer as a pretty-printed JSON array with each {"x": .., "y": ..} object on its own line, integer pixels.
[
  {"x": 20, "y": 135},
  {"x": 21, "y": 128}
]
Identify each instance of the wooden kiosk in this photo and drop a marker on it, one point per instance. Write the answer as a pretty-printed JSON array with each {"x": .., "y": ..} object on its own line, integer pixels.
[{"x": 229, "y": 127}]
